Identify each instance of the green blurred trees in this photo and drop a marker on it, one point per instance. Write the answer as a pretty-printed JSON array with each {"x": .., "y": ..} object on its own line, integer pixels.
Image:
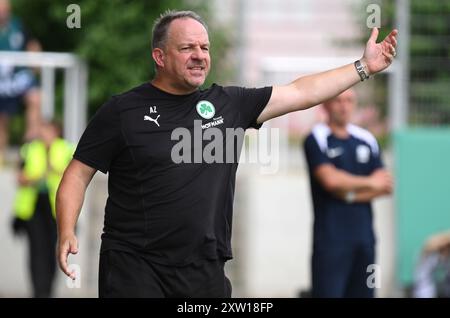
[
  {"x": 430, "y": 66},
  {"x": 429, "y": 53},
  {"x": 114, "y": 39}
]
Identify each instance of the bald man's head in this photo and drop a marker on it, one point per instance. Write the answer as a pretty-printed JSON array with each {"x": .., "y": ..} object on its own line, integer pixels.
[{"x": 340, "y": 108}]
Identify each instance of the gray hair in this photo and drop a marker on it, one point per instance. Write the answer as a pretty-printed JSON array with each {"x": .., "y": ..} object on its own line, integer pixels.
[{"x": 161, "y": 26}]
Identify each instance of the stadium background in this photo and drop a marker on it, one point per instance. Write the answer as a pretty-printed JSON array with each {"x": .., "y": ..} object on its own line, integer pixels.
[{"x": 255, "y": 43}]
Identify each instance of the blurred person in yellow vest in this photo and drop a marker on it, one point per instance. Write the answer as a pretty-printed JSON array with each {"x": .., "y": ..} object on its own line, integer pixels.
[{"x": 43, "y": 162}]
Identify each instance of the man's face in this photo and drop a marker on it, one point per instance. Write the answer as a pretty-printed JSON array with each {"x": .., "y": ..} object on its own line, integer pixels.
[
  {"x": 340, "y": 108},
  {"x": 186, "y": 55}
]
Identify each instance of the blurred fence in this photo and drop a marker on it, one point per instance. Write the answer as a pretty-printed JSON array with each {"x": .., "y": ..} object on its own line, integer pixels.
[{"x": 429, "y": 63}]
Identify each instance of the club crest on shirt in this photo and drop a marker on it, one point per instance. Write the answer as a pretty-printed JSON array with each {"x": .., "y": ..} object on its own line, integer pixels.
[{"x": 362, "y": 154}]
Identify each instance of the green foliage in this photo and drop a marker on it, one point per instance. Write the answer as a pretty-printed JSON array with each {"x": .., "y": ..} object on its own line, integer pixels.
[{"x": 114, "y": 39}]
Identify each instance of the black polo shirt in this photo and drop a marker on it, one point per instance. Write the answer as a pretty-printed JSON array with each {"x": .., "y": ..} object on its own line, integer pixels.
[{"x": 174, "y": 212}]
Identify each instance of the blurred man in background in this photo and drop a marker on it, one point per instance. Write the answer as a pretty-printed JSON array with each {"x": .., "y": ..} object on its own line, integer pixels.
[
  {"x": 43, "y": 163},
  {"x": 346, "y": 173},
  {"x": 16, "y": 83}
]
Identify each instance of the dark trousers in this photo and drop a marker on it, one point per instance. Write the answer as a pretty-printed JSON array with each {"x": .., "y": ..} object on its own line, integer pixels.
[
  {"x": 41, "y": 232},
  {"x": 341, "y": 271},
  {"x": 123, "y": 274}
]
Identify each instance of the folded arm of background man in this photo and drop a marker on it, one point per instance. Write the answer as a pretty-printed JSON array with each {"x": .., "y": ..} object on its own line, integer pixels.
[{"x": 340, "y": 182}]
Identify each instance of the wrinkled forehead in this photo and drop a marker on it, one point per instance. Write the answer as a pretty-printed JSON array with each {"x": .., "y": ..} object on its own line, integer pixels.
[{"x": 187, "y": 30}]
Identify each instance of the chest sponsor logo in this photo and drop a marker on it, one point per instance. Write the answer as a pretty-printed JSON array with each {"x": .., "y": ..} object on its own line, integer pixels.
[
  {"x": 205, "y": 109},
  {"x": 334, "y": 152},
  {"x": 362, "y": 154},
  {"x": 216, "y": 122},
  {"x": 151, "y": 119}
]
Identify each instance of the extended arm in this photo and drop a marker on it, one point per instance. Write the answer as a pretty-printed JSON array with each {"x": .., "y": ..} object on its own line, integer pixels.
[
  {"x": 69, "y": 200},
  {"x": 314, "y": 89}
]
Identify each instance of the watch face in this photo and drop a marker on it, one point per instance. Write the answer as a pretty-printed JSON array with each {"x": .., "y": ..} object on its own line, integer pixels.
[{"x": 360, "y": 69}]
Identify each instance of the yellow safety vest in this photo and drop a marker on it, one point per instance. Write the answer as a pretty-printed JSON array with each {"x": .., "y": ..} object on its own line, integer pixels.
[{"x": 38, "y": 165}]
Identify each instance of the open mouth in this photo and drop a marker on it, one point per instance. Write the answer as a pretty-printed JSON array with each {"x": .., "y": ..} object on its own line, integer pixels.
[{"x": 196, "y": 68}]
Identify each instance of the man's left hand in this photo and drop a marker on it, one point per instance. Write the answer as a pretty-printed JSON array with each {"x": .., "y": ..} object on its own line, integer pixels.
[
  {"x": 18, "y": 226},
  {"x": 378, "y": 56}
]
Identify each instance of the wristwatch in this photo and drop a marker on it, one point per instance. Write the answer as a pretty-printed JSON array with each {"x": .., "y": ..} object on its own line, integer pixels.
[
  {"x": 350, "y": 197},
  {"x": 361, "y": 70}
]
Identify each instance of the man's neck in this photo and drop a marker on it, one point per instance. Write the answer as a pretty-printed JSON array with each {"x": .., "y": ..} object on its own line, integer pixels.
[{"x": 339, "y": 130}]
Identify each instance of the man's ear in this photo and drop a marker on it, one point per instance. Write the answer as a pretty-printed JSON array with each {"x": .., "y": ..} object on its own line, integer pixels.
[{"x": 158, "y": 57}]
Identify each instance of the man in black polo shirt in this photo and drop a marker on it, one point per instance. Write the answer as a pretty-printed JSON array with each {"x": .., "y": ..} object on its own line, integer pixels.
[
  {"x": 346, "y": 173},
  {"x": 168, "y": 216}
]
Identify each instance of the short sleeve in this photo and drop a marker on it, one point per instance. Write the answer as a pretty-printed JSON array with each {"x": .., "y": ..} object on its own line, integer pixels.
[
  {"x": 250, "y": 102},
  {"x": 314, "y": 156},
  {"x": 102, "y": 140}
]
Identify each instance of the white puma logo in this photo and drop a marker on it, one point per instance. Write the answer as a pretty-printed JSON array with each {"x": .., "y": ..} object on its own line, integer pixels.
[{"x": 151, "y": 119}]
